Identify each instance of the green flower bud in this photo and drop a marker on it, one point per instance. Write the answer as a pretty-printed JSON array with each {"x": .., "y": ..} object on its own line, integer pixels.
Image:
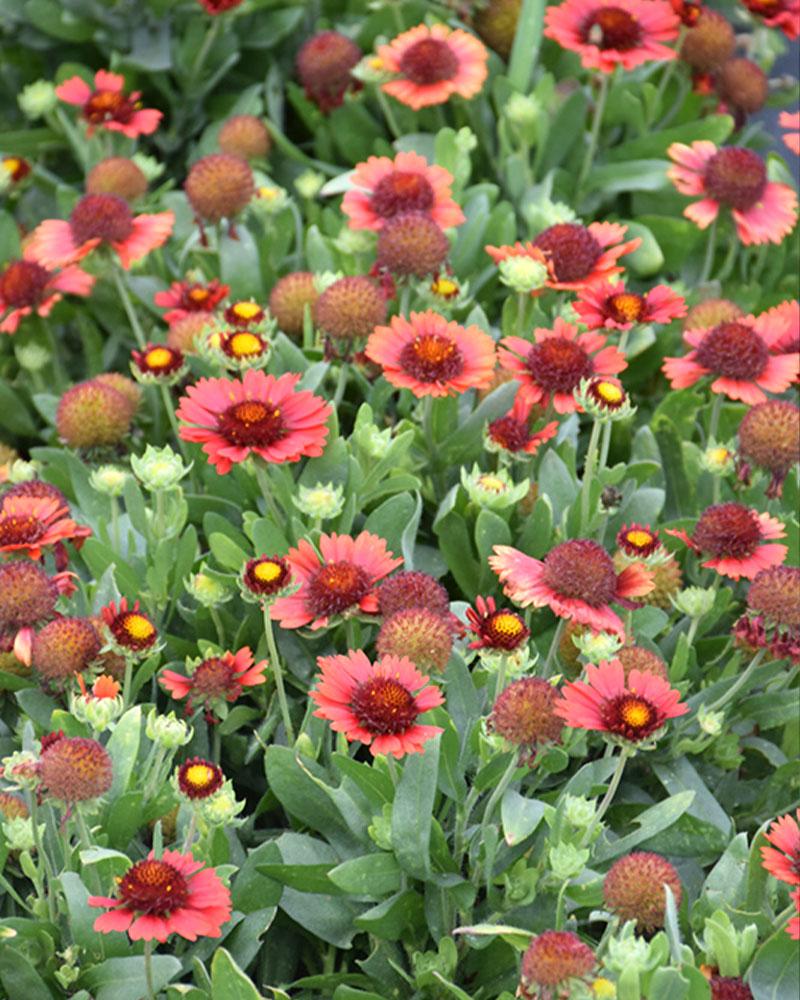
[
  {"x": 604, "y": 398},
  {"x": 579, "y": 812},
  {"x": 718, "y": 459},
  {"x": 627, "y": 951},
  {"x": 167, "y": 730},
  {"x": 493, "y": 490},
  {"x": 149, "y": 166},
  {"x": 37, "y": 99},
  {"x": 597, "y": 646},
  {"x": 21, "y": 769},
  {"x": 98, "y": 713},
  {"x": 373, "y": 441},
  {"x": 522, "y": 274},
  {"x": 159, "y": 468},
  {"x": 694, "y": 602},
  {"x": 32, "y": 356},
  {"x": 567, "y": 860},
  {"x": 544, "y": 213},
  {"x": 380, "y": 830},
  {"x": 710, "y": 722},
  {"x": 355, "y": 241},
  {"x": 19, "y": 833},
  {"x": 269, "y": 200},
  {"x": 309, "y": 183},
  {"x": 522, "y": 110},
  {"x": 321, "y": 502},
  {"x": 206, "y": 590},
  {"x": 109, "y": 479},
  {"x": 221, "y": 808},
  {"x": 22, "y": 471}
]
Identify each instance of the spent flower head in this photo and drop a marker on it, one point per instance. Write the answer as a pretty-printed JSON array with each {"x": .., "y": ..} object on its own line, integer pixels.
[{"x": 159, "y": 468}]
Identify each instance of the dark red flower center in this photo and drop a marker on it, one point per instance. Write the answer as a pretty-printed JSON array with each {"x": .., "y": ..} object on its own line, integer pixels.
[
  {"x": 612, "y": 28},
  {"x": 133, "y": 630},
  {"x": 736, "y": 177},
  {"x": 429, "y": 60},
  {"x": 503, "y": 630},
  {"x": 431, "y": 357},
  {"x": 384, "y": 706},
  {"x": 728, "y": 530},
  {"x": 196, "y": 298},
  {"x": 214, "y": 678},
  {"x": 23, "y": 284},
  {"x": 625, "y": 307},
  {"x": 631, "y": 717},
  {"x": 572, "y": 249},
  {"x": 558, "y": 364},
  {"x": 730, "y": 987},
  {"x": 18, "y": 529},
  {"x": 336, "y": 587},
  {"x": 581, "y": 570},
  {"x": 199, "y": 779},
  {"x": 103, "y": 217},
  {"x": 402, "y": 191},
  {"x": 510, "y": 433},
  {"x": 252, "y": 423},
  {"x": 153, "y": 886},
  {"x": 107, "y": 106},
  {"x": 733, "y": 350},
  {"x": 266, "y": 575}
]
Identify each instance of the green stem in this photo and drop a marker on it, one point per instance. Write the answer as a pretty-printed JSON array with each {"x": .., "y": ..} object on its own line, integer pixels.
[
  {"x": 708, "y": 260},
  {"x": 522, "y": 299},
  {"x": 127, "y": 305},
  {"x": 559, "y": 921},
  {"x": 552, "y": 651},
  {"x": 488, "y": 812},
  {"x": 215, "y": 618},
  {"x": 669, "y": 72},
  {"x": 388, "y": 114},
  {"x": 266, "y": 491},
  {"x": 743, "y": 678},
  {"x": 126, "y": 684},
  {"x": 191, "y": 829},
  {"x": 728, "y": 263},
  {"x": 341, "y": 385},
  {"x": 597, "y": 121},
  {"x": 405, "y": 298},
  {"x": 500, "y": 678},
  {"x": 462, "y": 818},
  {"x": 115, "y": 540},
  {"x": 608, "y": 798},
  {"x": 208, "y": 42},
  {"x": 716, "y": 410},
  {"x": 160, "y": 515},
  {"x": 588, "y": 477},
  {"x": 148, "y": 969},
  {"x": 277, "y": 673},
  {"x": 43, "y": 858}
]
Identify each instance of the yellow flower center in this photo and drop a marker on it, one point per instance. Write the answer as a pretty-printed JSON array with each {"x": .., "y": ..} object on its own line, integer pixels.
[
  {"x": 139, "y": 627},
  {"x": 720, "y": 455},
  {"x": 159, "y": 357},
  {"x": 199, "y": 775},
  {"x": 245, "y": 345},
  {"x": 445, "y": 287},
  {"x": 636, "y": 713},
  {"x": 268, "y": 193},
  {"x": 639, "y": 538},
  {"x": 507, "y": 624},
  {"x": 11, "y": 164},
  {"x": 198, "y": 294},
  {"x": 246, "y": 310},
  {"x": 266, "y": 572},
  {"x": 376, "y": 63},
  {"x": 609, "y": 392},
  {"x": 492, "y": 483}
]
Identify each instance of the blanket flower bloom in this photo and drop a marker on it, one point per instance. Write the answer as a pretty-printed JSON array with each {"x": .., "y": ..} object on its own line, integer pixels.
[
  {"x": 215, "y": 679},
  {"x": 783, "y": 14},
  {"x": 552, "y": 367},
  {"x": 432, "y": 356},
  {"x": 27, "y": 287},
  {"x": 734, "y": 535},
  {"x": 791, "y": 121},
  {"x": 173, "y": 894},
  {"x": 783, "y": 859},
  {"x": 614, "y": 307},
  {"x": 130, "y": 629},
  {"x": 183, "y": 298},
  {"x": 29, "y": 524},
  {"x": 339, "y": 579},
  {"x": 108, "y": 106},
  {"x": 763, "y": 210},
  {"x": 607, "y": 33},
  {"x": 744, "y": 355},
  {"x": 99, "y": 219},
  {"x": 259, "y": 414},
  {"x": 378, "y": 703},
  {"x": 383, "y": 188},
  {"x": 512, "y": 434},
  {"x": 631, "y": 710},
  {"x": 432, "y": 64},
  {"x": 495, "y": 628},
  {"x": 576, "y": 580}
]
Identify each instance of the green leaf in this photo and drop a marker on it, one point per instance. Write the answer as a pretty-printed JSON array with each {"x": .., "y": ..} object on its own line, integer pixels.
[
  {"x": 228, "y": 982},
  {"x": 123, "y": 746},
  {"x": 306, "y": 878},
  {"x": 240, "y": 266},
  {"x": 520, "y": 816},
  {"x": 372, "y": 876},
  {"x": 412, "y": 812},
  {"x": 632, "y": 175},
  {"x": 124, "y": 978},
  {"x": 775, "y": 972},
  {"x": 227, "y": 553},
  {"x": 389, "y": 919},
  {"x": 557, "y": 483},
  {"x": 652, "y": 821},
  {"x": 668, "y": 984},
  {"x": 19, "y": 977}
]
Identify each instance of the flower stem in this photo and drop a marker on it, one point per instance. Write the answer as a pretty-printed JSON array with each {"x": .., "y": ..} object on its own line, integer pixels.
[
  {"x": 266, "y": 492},
  {"x": 588, "y": 476},
  {"x": 708, "y": 261},
  {"x": 597, "y": 121},
  {"x": 205, "y": 48},
  {"x": 669, "y": 71},
  {"x": 559, "y": 921},
  {"x": 191, "y": 829},
  {"x": 341, "y": 385},
  {"x": 148, "y": 969},
  {"x": 277, "y": 673},
  {"x": 716, "y": 410},
  {"x": 551, "y": 652},
  {"x": 743, "y": 678},
  {"x": 127, "y": 305},
  {"x": 521, "y": 303},
  {"x": 388, "y": 114},
  {"x": 126, "y": 683},
  {"x": 608, "y": 798}
]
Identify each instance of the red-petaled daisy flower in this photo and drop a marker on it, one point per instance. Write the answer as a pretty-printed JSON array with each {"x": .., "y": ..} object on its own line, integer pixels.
[
  {"x": 183, "y": 298},
  {"x": 99, "y": 219},
  {"x": 108, "y": 106},
  {"x": 614, "y": 307},
  {"x": 632, "y": 710},
  {"x": 553, "y": 366},
  {"x": 783, "y": 14},
  {"x": 512, "y": 433},
  {"x": 266, "y": 576},
  {"x": 341, "y": 579},
  {"x": 763, "y": 210},
  {"x": 215, "y": 679},
  {"x": 27, "y": 287},
  {"x": 378, "y": 703},
  {"x": 783, "y": 859},
  {"x": 158, "y": 363},
  {"x": 791, "y": 121},
  {"x": 130, "y": 628},
  {"x": 607, "y": 33},
  {"x": 432, "y": 356},
  {"x": 244, "y": 313},
  {"x": 744, "y": 356},
  {"x": 577, "y": 255},
  {"x": 495, "y": 629},
  {"x": 383, "y": 188},
  {"x": 576, "y": 580},
  {"x": 258, "y": 413},
  {"x": 197, "y": 778},
  {"x": 28, "y": 524},
  {"x": 172, "y": 894},
  {"x": 734, "y": 535},
  {"x": 789, "y": 313},
  {"x": 432, "y": 64}
]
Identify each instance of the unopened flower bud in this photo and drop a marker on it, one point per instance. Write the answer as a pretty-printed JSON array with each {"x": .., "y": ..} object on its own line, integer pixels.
[
  {"x": 22, "y": 471},
  {"x": 19, "y": 833},
  {"x": 269, "y": 200},
  {"x": 149, "y": 166},
  {"x": 159, "y": 468},
  {"x": 597, "y": 646},
  {"x": 710, "y": 722},
  {"x": 545, "y": 213},
  {"x": 718, "y": 459},
  {"x": 567, "y": 860},
  {"x": 579, "y": 812},
  {"x": 33, "y": 357},
  {"x": 109, "y": 479},
  {"x": 21, "y": 769},
  {"x": 167, "y": 730},
  {"x": 627, "y": 951},
  {"x": 322, "y": 502},
  {"x": 308, "y": 184},
  {"x": 206, "y": 590},
  {"x": 493, "y": 490},
  {"x": 694, "y": 601},
  {"x": 37, "y": 99},
  {"x": 522, "y": 274},
  {"x": 222, "y": 808}
]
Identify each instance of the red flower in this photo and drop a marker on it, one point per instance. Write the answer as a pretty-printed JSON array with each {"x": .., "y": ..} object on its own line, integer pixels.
[
  {"x": 216, "y": 679},
  {"x": 342, "y": 579},
  {"x": 607, "y": 33},
  {"x": 763, "y": 211},
  {"x": 783, "y": 14},
  {"x": 576, "y": 580},
  {"x": 260, "y": 413},
  {"x": 791, "y": 121},
  {"x": 432, "y": 356},
  {"x": 172, "y": 894},
  {"x": 606, "y": 702},
  {"x": 745, "y": 355},
  {"x": 383, "y": 188},
  {"x": 108, "y": 107},
  {"x": 376, "y": 703},
  {"x": 502, "y": 630},
  {"x": 28, "y": 524},
  {"x": 130, "y": 628},
  {"x": 27, "y": 287},
  {"x": 553, "y": 366},
  {"x": 215, "y": 7},
  {"x": 98, "y": 219},
  {"x": 183, "y": 298},
  {"x": 613, "y": 307},
  {"x": 783, "y": 859},
  {"x": 432, "y": 64},
  {"x": 733, "y": 535}
]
